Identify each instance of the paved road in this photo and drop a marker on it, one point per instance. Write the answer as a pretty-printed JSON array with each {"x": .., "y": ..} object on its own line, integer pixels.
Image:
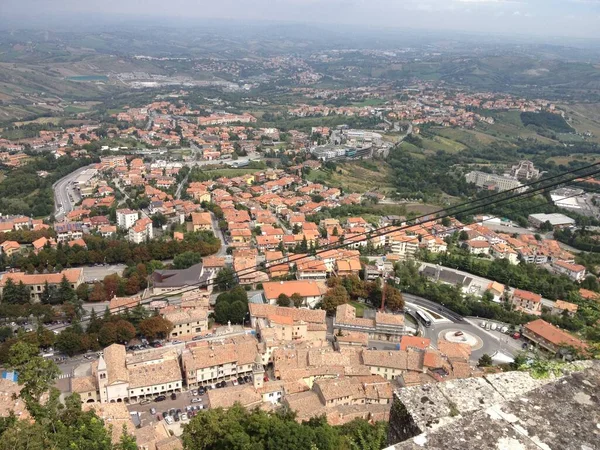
[
  {"x": 490, "y": 342},
  {"x": 62, "y": 191},
  {"x": 219, "y": 233}
]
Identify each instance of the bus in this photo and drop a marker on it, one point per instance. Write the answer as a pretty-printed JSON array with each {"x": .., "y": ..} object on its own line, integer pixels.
[{"x": 423, "y": 319}]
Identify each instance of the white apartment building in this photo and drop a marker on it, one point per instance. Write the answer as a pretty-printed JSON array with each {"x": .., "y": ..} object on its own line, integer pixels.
[
  {"x": 126, "y": 218},
  {"x": 141, "y": 231}
]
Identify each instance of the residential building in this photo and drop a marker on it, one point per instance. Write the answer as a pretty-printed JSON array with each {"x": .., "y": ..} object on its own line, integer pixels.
[
  {"x": 576, "y": 272},
  {"x": 477, "y": 247},
  {"x": 10, "y": 248},
  {"x": 561, "y": 307},
  {"x": 36, "y": 282},
  {"x": 492, "y": 181},
  {"x": 187, "y": 322},
  {"x": 141, "y": 231},
  {"x": 68, "y": 231},
  {"x": 126, "y": 218},
  {"x": 311, "y": 291},
  {"x": 378, "y": 326},
  {"x": 208, "y": 364},
  {"x": 550, "y": 338},
  {"x": 527, "y": 302},
  {"x": 201, "y": 221}
]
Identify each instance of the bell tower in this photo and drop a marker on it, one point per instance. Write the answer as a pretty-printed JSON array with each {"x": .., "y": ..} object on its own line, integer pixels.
[{"x": 258, "y": 372}]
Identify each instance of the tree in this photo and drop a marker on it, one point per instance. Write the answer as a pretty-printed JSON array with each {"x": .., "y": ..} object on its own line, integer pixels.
[
  {"x": 127, "y": 441},
  {"x": 362, "y": 435},
  {"x": 485, "y": 361},
  {"x": 463, "y": 236},
  {"x": 98, "y": 293},
  {"x": 186, "y": 260},
  {"x": 297, "y": 300},
  {"x": 68, "y": 342},
  {"x": 333, "y": 298},
  {"x": 36, "y": 374},
  {"x": 15, "y": 294},
  {"x": 155, "y": 327},
  {"x": 83, "y": 292},
  {"x": 283, "y": 300},
  {"x": 107, "y": 334},
  {"x": 393, "y": 298},
  {"x": 66, "y": 293},
  {"x": 125, "y": 331},
  {"x": 225, "y": 279},
  {"x": 158, "y": 220},
  {"x": 487, "y": 296}
]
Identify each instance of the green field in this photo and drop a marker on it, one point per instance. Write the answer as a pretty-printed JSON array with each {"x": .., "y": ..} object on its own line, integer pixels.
[{"x": 360, "y": 308}]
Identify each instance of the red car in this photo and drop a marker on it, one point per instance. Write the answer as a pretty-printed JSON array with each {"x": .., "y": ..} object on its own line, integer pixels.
[
  {"x": 266, "y": 378},
  {"x": 516, "y": 335}
]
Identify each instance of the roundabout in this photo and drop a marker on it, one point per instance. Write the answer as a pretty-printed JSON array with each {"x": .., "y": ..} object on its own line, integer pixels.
[{"x": 461, "y": 337}]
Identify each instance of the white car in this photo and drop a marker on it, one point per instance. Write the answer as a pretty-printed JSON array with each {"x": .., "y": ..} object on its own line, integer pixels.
[
  {"x": 504, "y": 329},
  {"x": 235, "y": 382},
  {"x": 494, "y": 326},
  {"x": 168, "y": 420},
  {"x": 183, "y": 416},
  {"x": 195, "y": 392},
  {"x": 483, "y": 324},
  {"x": 196, "y": 400}
]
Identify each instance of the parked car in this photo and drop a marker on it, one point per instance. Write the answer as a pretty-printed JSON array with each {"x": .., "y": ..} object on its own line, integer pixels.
[
  {"x": 196, "y": 400},
  {"x": 160, "y": 398},
  {"x": 194, "y": 392},
  {"x": 266, "y": 378},
  {"x": 524, "y": 346},
  {"x": 169, "y": 420},
  {"x": 483, "y": 324},
  {"x": 176, "y": 417},
  {"x": 201, "y": 390},
  {"x": 516, "y": 335},
  {"x": 504, "y": 329},
  {"x": 146, "y": 401},
  {"x": 152, "y": 410},
  {"x": 458, "y": 333},
  {"x": 235, "y": 382},
  {"x": 173, "y": 396},
  {"x": 494, "y": 326},
  {"x": 184, "y": 416},
  {"x": 159, "y": 417}
]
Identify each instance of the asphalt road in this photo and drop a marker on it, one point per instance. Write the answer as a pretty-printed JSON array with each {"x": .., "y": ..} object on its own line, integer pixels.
[
  {"x": 489, "y": 342},
  {"x": 61, "y": 194}
]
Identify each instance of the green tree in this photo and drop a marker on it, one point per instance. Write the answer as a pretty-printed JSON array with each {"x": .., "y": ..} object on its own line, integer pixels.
[
  {"x": 283, "y": 300},
  {"x": 297, "y": 300},
  {"x": 225, "y": 279},
  {"x": 186, "y": 260},
  {"x": 14, "y": 294},
  {"x": 83, "y": 292},
  {"x": 333, "y": 298},
  {"x": 68, "y": 342},
  {"x": 36, "y": 375},
  {"x": 485, "y": 361}
]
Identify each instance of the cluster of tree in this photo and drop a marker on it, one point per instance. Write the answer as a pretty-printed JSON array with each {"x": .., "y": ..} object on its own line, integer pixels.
[
  {"x": 18, "y": 188},
  {"x": 186, "y": 259},
  {"x": 231, "y": 306},
  {"x": 238, "y": 428},
  {"x": 55, "y": 425},
  {"x": 342, "y": 290},
  {"x": 529, "y": 277},
  {"x": 585, "y": 240},
  {"x": 546, "y": 120},
  {"x": 115, "y": 251},
  {"x": 63, "y": 294}
]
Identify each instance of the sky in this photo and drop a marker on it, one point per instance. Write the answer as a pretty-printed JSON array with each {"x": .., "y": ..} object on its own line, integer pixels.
[{"x": 573, "y": 18}]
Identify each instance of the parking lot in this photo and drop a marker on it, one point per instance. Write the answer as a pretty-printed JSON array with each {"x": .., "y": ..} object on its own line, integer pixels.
[{"x": 183, "y": 399}]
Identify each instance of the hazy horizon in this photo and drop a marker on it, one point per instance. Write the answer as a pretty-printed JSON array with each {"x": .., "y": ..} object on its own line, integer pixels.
[{"x": 542, "y": 18}]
